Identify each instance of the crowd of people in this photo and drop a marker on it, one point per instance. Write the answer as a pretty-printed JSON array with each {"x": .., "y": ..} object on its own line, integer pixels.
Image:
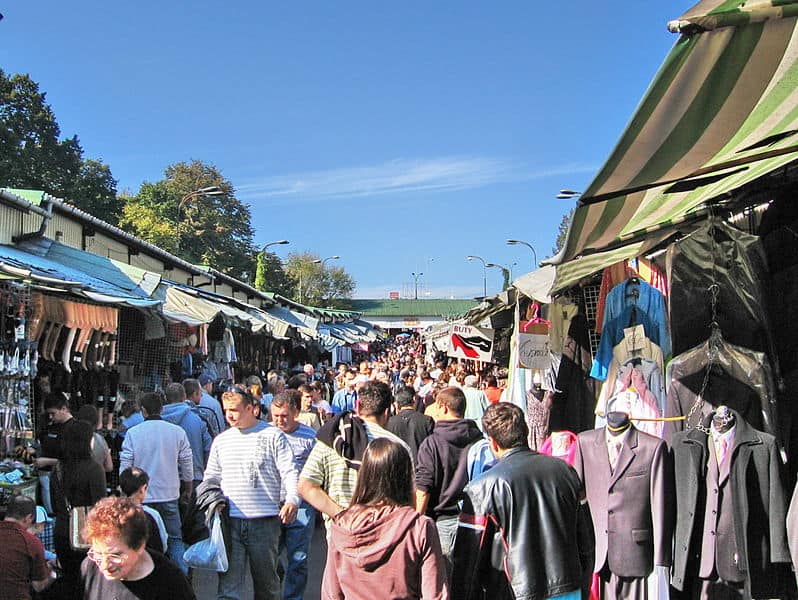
[{"x": 413, "y": 466}]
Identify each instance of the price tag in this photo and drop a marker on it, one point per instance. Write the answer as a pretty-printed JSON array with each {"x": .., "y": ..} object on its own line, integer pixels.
[
  {"x": 19, "y": 332},
  {"x": 635, "y": 338}
]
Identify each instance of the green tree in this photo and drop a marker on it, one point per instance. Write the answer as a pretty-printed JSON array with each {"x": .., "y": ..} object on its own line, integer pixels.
[
  {"x": 315, "y": 284},
  {"x": 562, "y": 231},
  {"x": 32, "y": 155},
  {"x": 193, "y": 213},
  {"x": 270, "y": 276}
]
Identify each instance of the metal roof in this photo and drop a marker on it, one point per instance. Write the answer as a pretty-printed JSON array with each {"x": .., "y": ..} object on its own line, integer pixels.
[{"x": 412, "y": 308}]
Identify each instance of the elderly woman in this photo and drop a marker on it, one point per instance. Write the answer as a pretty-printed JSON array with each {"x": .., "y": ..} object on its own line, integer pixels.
[{"x": 119, "y": 565}]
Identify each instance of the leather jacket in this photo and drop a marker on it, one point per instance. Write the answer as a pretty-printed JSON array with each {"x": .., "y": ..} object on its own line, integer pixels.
[{"x": 524, "y": 531}]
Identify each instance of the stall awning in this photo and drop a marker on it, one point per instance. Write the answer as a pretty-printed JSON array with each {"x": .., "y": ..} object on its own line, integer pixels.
[
  {"x": 537, "y": 284},
  {"x": 721, "y": 112},
  {"x": 570, "y": 273},
  {"x": 93, "y": 277},
  {"x": 189, "y": 305},
  {"x": 294, "y": 319}
]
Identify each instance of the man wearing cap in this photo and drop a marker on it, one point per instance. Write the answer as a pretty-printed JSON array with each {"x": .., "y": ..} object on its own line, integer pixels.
[
  {"x": 208, "y": 401},
  {"x": 22, "y": 563}
]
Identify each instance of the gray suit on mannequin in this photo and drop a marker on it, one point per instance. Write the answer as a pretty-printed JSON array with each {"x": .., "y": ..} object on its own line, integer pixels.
[{"x": 631, "y": 506}]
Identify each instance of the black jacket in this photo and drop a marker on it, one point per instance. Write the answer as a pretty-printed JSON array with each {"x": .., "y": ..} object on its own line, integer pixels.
[
  {"x": 411, "y": 426},
  {"x": 440, "y": 465},
  {"x": 524, "y": 532},
  {"x": 759, "y": 508}
]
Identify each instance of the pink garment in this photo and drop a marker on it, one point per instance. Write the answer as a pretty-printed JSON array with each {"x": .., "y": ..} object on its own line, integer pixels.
[
  {"x": 384, "y": 552},
  {"x": 546, "y": 448}
]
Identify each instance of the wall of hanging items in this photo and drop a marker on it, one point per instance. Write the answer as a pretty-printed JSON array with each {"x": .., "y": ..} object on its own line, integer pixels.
[
  {"x": 77, "y": 351},
  {"x": 17, "y": 414}
]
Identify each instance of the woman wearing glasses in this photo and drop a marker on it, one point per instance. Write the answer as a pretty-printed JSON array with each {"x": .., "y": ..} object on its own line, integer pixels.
[{"x": 119, "y": 565}]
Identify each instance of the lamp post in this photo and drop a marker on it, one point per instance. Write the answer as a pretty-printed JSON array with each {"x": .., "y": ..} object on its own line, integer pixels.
[
  {"x": 484, "y": 273},
  {"x": 568, "y": 194},
  {"x": 528, "y": 245},
  {"x": 505, "y": 273},
  {"x": 277, "y": 243},
  {"x": 210, "y": 190},
  {"x": 415, "y": 283},
  {"x": 318, "y": 261}
]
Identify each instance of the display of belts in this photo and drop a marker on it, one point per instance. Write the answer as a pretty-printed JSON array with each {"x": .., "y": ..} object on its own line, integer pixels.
[
  {"x": 17, "y": 416},
  {"x": 77, "y": 351}
]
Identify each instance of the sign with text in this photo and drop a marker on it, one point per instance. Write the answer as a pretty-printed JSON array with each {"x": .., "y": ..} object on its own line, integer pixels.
[
  {"x": 474, "y": 343},
  {"x": 533, "y": 351}
]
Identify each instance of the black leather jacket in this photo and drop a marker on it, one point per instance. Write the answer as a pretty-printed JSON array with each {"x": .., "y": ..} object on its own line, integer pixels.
[{"x": 524, "y": 532}]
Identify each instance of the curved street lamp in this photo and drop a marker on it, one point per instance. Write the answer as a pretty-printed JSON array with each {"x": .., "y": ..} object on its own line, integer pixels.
[
  {"x": 318, "y": 261},
  {"x": 505, "y": 273},
  {"x": 484, "y": 274},
  {"x": 528, "y": 245},
  {"x": 277, "y": 243},
  {"x": 210, "y": 190},
  {"x": 568, "y": 194}
]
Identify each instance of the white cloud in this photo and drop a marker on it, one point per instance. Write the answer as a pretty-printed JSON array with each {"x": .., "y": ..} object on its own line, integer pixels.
[{"x": 395, "y": 177}]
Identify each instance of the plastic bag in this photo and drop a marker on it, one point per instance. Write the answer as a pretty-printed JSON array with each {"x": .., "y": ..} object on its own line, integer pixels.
[{"x": 210, "y": 553}]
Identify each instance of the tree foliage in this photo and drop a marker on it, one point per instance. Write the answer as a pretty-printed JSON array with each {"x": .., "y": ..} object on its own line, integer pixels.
[
  {"x": 210, "y": 228},
  {"x": 315, "y": 284},
  {"x": 32, "y": 155},
  {"x": 562, "y": 231},
  {"x": 270, "y": 276}
]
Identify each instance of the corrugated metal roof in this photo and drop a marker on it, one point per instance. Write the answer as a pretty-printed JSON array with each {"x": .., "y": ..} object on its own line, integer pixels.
[{"x": 412, "y": 308}]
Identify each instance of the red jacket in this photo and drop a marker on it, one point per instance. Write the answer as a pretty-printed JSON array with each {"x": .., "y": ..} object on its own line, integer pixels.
[{"x": 385, "y": 552}]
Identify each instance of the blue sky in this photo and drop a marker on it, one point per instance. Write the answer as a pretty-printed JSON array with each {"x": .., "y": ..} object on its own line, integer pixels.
[{"x": 400, "y": 136}]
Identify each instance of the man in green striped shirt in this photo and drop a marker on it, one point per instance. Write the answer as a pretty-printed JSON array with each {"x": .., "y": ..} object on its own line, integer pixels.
[{"x": 326, "y": 481}]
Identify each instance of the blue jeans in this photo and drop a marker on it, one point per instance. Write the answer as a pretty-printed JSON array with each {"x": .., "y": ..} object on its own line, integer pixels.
[
  {"x": 447, "y": 531},
  {"x": 295, "y": 538},
  {"x": 254, "y": 541},
  {"x": 170, "y": 513}
]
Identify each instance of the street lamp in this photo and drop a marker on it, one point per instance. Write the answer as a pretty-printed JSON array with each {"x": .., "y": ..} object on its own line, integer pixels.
[
  {"x": 277, "y": 243},
  {"x": 528, "y": 245},
  {"x": 568, "y": 194},
  {"x": 415, "y": 283},
  {"x": 210, "y": 190},
  {"x": 318, "y": 261},
  {"x": 484, "y": 273},
  {"x": 505, "y": 273}
]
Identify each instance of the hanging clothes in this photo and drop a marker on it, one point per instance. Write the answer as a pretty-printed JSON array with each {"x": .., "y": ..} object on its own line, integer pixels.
[
  {"x": 644, "y": 403},
  {"x": 738, "y": 378},
  {"x": 538, "y": 409},
  {"x": 561, "y": 313},
  {"x": 575, "y": 398},
  {"x": 720, "y": 254},
  {"x": 633, "y": 302}
]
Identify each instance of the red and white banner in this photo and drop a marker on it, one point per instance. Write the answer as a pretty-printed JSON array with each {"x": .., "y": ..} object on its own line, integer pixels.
[{"x": 473, "y": 343}]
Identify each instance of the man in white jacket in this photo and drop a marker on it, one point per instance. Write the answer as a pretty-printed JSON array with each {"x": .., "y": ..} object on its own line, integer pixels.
[{"x": 162, "y": 449}]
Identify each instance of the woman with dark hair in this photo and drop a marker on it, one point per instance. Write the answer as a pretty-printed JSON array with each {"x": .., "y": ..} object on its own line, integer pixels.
[
  {"x": 78, "y": 480},
  {"x": 380, "y": 547},
  {"x": 119, "y": 565}
]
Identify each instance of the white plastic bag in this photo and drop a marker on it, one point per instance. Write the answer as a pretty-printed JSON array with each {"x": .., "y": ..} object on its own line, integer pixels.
[{"x": 210, "y": 553}]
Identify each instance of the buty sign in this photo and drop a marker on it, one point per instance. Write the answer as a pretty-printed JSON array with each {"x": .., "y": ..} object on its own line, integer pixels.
[{"x": 474, "y": 343}]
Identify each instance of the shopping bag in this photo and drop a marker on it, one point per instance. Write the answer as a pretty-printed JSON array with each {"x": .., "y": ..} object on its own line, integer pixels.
[
  {"x": 209, "y": 554},
  {"x": 77, "y": 520}
]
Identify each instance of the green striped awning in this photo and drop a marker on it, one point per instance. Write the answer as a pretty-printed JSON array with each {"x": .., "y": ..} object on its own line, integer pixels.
[
  {"x": 571, "y": 272},
  {"x": 721, "y": 112}
]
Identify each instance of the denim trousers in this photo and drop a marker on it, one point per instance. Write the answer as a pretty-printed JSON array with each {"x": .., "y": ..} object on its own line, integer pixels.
[
  {"x": 295, "y": 538},
  {"x": 447, "y": 531},
  {"x": 170, "y": 513},
  {"x": 254, "y": 542}
]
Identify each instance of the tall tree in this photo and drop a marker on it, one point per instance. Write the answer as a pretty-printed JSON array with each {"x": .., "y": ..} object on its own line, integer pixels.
[
  {"x": 193, "y": 213},
  {"x": 562, "y": 231},
  {"x": 270, "y": 276},
  {"x": 316, "y": 284},
  {"x": 32, "y": 155}
]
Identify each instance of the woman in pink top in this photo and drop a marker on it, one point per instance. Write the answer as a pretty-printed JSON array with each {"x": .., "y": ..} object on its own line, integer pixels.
[{"x": 380, "y": 547}]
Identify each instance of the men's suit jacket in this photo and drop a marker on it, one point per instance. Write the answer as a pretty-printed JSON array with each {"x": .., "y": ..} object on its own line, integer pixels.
[
  {"x": 631, "y": 507},
  {"x": 759, "y": 511}
]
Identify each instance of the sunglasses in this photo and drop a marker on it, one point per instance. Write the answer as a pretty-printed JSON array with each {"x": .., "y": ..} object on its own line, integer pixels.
[{"x": 233, "y": 390}]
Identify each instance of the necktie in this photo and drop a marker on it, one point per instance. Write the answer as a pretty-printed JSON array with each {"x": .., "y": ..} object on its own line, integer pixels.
[
  {"x": 721, "y": 449},
  {"x": 615, "y": 452}
]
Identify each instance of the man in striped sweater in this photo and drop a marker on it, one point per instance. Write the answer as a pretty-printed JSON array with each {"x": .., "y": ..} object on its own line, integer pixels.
[{"x": 251, "y": 461}]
